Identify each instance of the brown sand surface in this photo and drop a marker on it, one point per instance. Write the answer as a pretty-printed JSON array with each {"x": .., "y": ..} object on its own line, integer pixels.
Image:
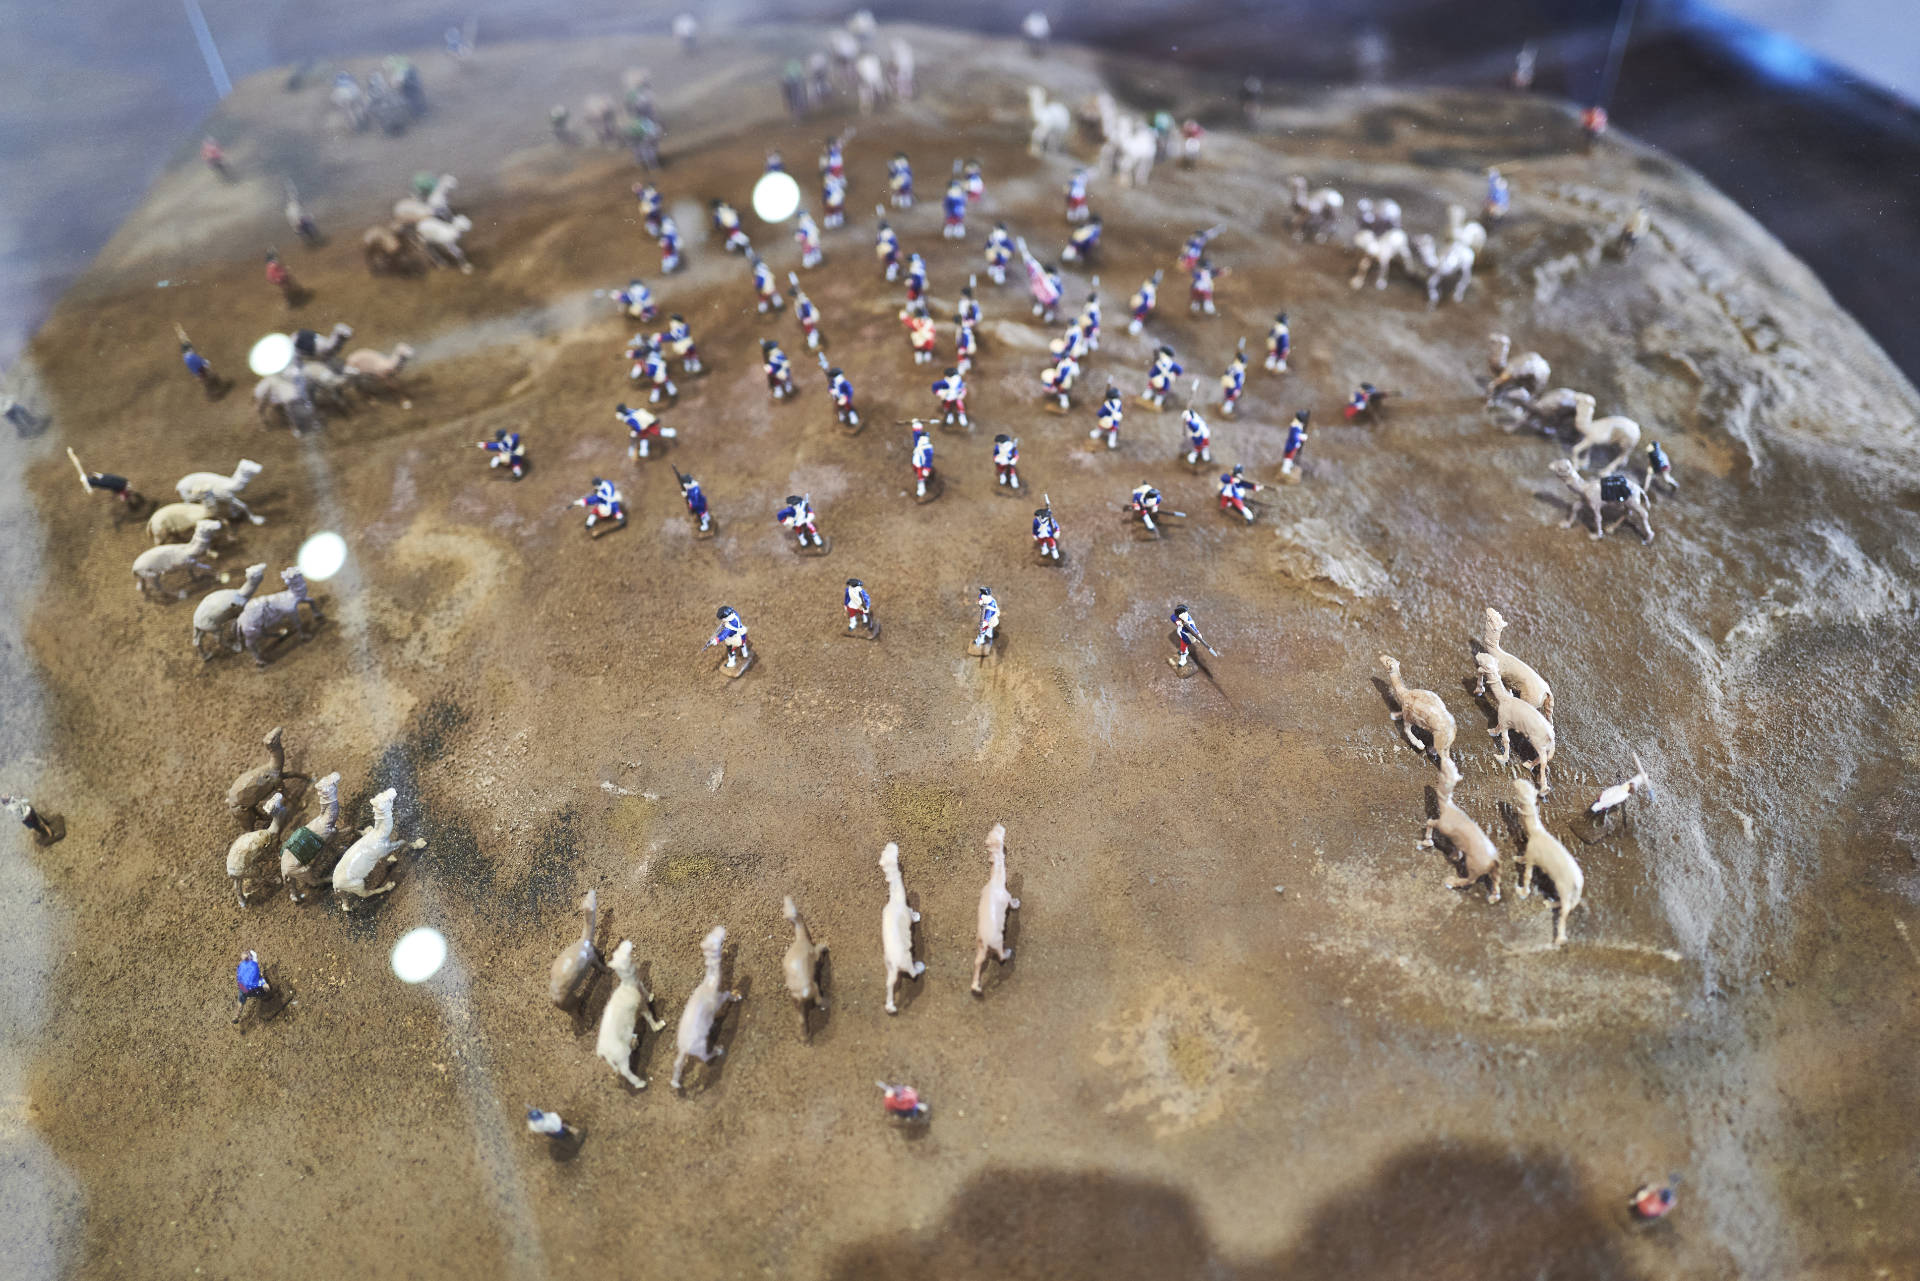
[{"x": 1183, "y": 1072}]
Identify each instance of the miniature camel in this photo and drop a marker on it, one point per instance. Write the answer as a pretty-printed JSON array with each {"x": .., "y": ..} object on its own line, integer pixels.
[
  {"x": 1479, "y": 856},
  {"x": 1517, "y": 379},
  {"x": 276, "y": 614},
  {"x": 1421, "y": 709},
  {"x": 386, "y": 247},
  {"x": 177, "y": 521},
  {"x": 1626, "y": 497},
  {"x": 326, "y": 346},
  {"x": 220, "y": 607},
  {"x": 870, "y": 82},
  {"x": 1546, "y": 412},
  {"x": 600, "y": 111},
  {"x": 1525, "y": 682},
  {"x": 323, "y": 384},
  {"x": 693, "y": 1039},
  {"x": 1052, "y": 121},
  {"x": 1377, "y": 215},
  {"x": 995, "y": 902},
  {"x": 574, "y": 968},
  {"x": 369, "y": 366},
  {"x": 1620, "y": 793},
  {"x": 1314, "y": 214},
  {"x": 801, "y": 965},
  {"x": 441, "y": 238},
  {"x": 1544, "y": 852},
  {"x": 262, "y": 781},
  {"x": 377, "y": 844},
  {"x": 1621, "y": 433},
  {"x": 221, "y": 492},
  {"x": 620, "y": 1021},
  {"x": 289, "y": 392},
  {"x": 1378, "y": 252},
  {"x": 896, "y": 926},
  {"x": 1456, "y": 264},
  {"x": 151, "y": 567},
  {"x": 306, "y": 843},
  {"x": 1465, "y": 230},
  {"x": 250, "y": 848},
  {"x": 1129, "y": 151},
  {"x": 1513, "y": 715}
]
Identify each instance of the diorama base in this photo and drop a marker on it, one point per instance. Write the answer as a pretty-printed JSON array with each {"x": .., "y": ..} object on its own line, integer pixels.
[
  {"x": 739, "y": 669},
  {"x": 935, "y": 487},
  {"x": 813, "y": 551}
]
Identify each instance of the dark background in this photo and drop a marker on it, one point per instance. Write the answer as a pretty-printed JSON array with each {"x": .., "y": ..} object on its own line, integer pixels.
[{"x": 104, "y": 95}]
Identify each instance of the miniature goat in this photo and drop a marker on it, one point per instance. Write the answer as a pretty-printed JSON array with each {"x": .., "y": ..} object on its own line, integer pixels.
[
  {"x": 1616, "y": 490},
  {"x": 896, "y": 926},
  {"x": 1620, "y": 793},
  {"x": 1420, "y": 708},
  {"x": 1516, "y": 716},
  {"x": 250, "y": 847},
  {"x": 376, "y": 844},
  {"x": 802, "y": 965},
  {"x": 620, "y": 1021},
  {"x": 694, "y": 1038},
  {"x": 1479, "y": 856},
  {"x": 1545, "y": 852},
  {"x": 573, "y": 969},
  {"x": 219, "y": 608},
  {"x": 151, "y": 567},
  {"x": 177, "y": 522},
  {"x": 1526, "y": 682},
  {"x": 994, "y": 905}
]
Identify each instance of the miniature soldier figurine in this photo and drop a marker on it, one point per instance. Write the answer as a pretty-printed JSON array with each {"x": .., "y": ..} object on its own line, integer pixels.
[
  {"x": 669, "y": 245},
  {"x": 833, "y": 200},
  {"x": 832, "y": 163},
  {"x": 840, "y": 390},
  {"x": 999, "y": 253},
  {"x": 726, "y": 220},
  {"x": 951, "y": 392},
  {"x": 922, "y": 459},
  {"x": 1073, "y": 342},
  {"x": 916, "y": 278},
  {"x": 651, "y": 206},
  {"x": 507, "y": 452},
  {"x": 679, "y": 345},
  {"x": 764, "y": 285},
  {"x": 954, "y": 211},
  {"x": 101, "y": 482},
  {"x": 215, "y": 158},
  {"x": 1083, "y": 242},
  {"x": 732, "y": 633},
  {"x": 1522, "y": 78},
  {"x": 1090, "y": 317},
  {"x": 550, "y": 1125},
  {"x": 642, "y": 428},
  {"x": 1296, "y": 437},
  {"x": 1043, "y": 282},
  {"x": 965, "y": 344},
  {"x": 902, "y": 1102},
  {"x": 1186, "y": 634},
  {"x": 967, "y": 310},
  {"x": 200, "y": 367},
  {"x": 1366, "y": 399},
  {"x": 637, "y": 301},
  {"x": 1196, "y": 248},
  {"x": 1046, "y": 532},
  {"x": 989, "y": 621},
  {"x": 696, "y": 501},
  {"x": 252, "y": 982},
  {"x": 1234, "y": 381},
  {"x": 1108, "y": 421},
  {"x": 1199, "y": 438},
  {"x": 1058, "y": 379},
  {"x": 775, "y": 162},
  {"x": 806, "y": 234},
  {"x": 975, "y": 180},
  {"x": 1144, "y": 502},
  {"x": 900, "y": 181},
  {"x": 1200, "y": 291},
  {"x": 1279, "y": 344},
  {"x": 1142, "y": 303},
  {"x": 1160, "y": 376},
  {"x": 859, "y": 606},
  {"x": 920, "y": 334},
  {"x": 798, "y": 516},
  {"x": 650, "y": 365},
  {"x": 1499, "y": 197},
  {"x": 280, "y": 278},
  {"x": 1593, "y": 123},
  {"x": 778, "y": 369},
  {"x": 1654, "y": 1200},
  {"x": 805, "y": 312},
  {"x": 22, "y": 809},
  {"x": 1191, "y": 135},
  {"x": 1006, "y": 460},
  {"x": 1234, "y": 488},
  {"x": 1077, "y": 196},
  {"x": 1660, "y": 467},
  {"x": 603, "y": 502},
  {"x": 886, "y": 247}
]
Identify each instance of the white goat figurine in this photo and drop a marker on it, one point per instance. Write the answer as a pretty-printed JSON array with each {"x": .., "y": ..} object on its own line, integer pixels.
[
  {"x": 220, "y": 607},
  {"x": 620, "y": 1021},
  {"x": 574, "y": 968},
  {"x": 1421, "y": 709},
  {"x": 1513, "y": 715},
  {"x": 151, "y": 567},
  {"x": 1479, "y": 856},
  {"x": 995, "y": 902},
  {"x": 694, "y": 1037},
  {"x": 276, "y": 613},
  {"x": 801, "y": 965},
  {"x": 1545, "y": 852},
  {"x": 1621, "y": 433},
  {"x": 306, "y": 843},
  {"x": 221, "y": 492},
  {"x": 1629, "y": 500},
  {"x": 1620, "y": 793},
  {"x": 376, "y": 844},
  {"x": 250, "y": 848},
  {"x": 1526, "y": 682},
  {"x": 896, "y": 926}
]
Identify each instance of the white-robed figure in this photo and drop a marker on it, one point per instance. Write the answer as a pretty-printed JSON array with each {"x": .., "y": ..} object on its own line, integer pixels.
[
  {"x": 798, "y": 516},
  {"x": 603, "y": 502},
  {"x": 999, "y": 253},
  {"x": 1046, "y": 532},
  {"x": 732, "y": 633},
  {"x": 1107, "y": 419},
  {"x": 989, "y": 619},
  {"x": 636, "y": 300},
  {"x": 1199, "y": 437},
  {"x": 859, "y": 605},
  {"x": 642, "y": 428},
  {"x": 922, "y": 459},
  {"x": 951, "y": 392},
  {"x": 1006, "y": 460},
  {"x": 1141, "y": 305}
]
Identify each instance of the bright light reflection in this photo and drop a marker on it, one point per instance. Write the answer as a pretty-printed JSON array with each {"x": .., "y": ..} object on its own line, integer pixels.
[
  {"x": 270, "y": 355},
  {"x": 419, "y": 954},
  {"x": 776, "y": 196},
  {"x": 322, "y": 556}
]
